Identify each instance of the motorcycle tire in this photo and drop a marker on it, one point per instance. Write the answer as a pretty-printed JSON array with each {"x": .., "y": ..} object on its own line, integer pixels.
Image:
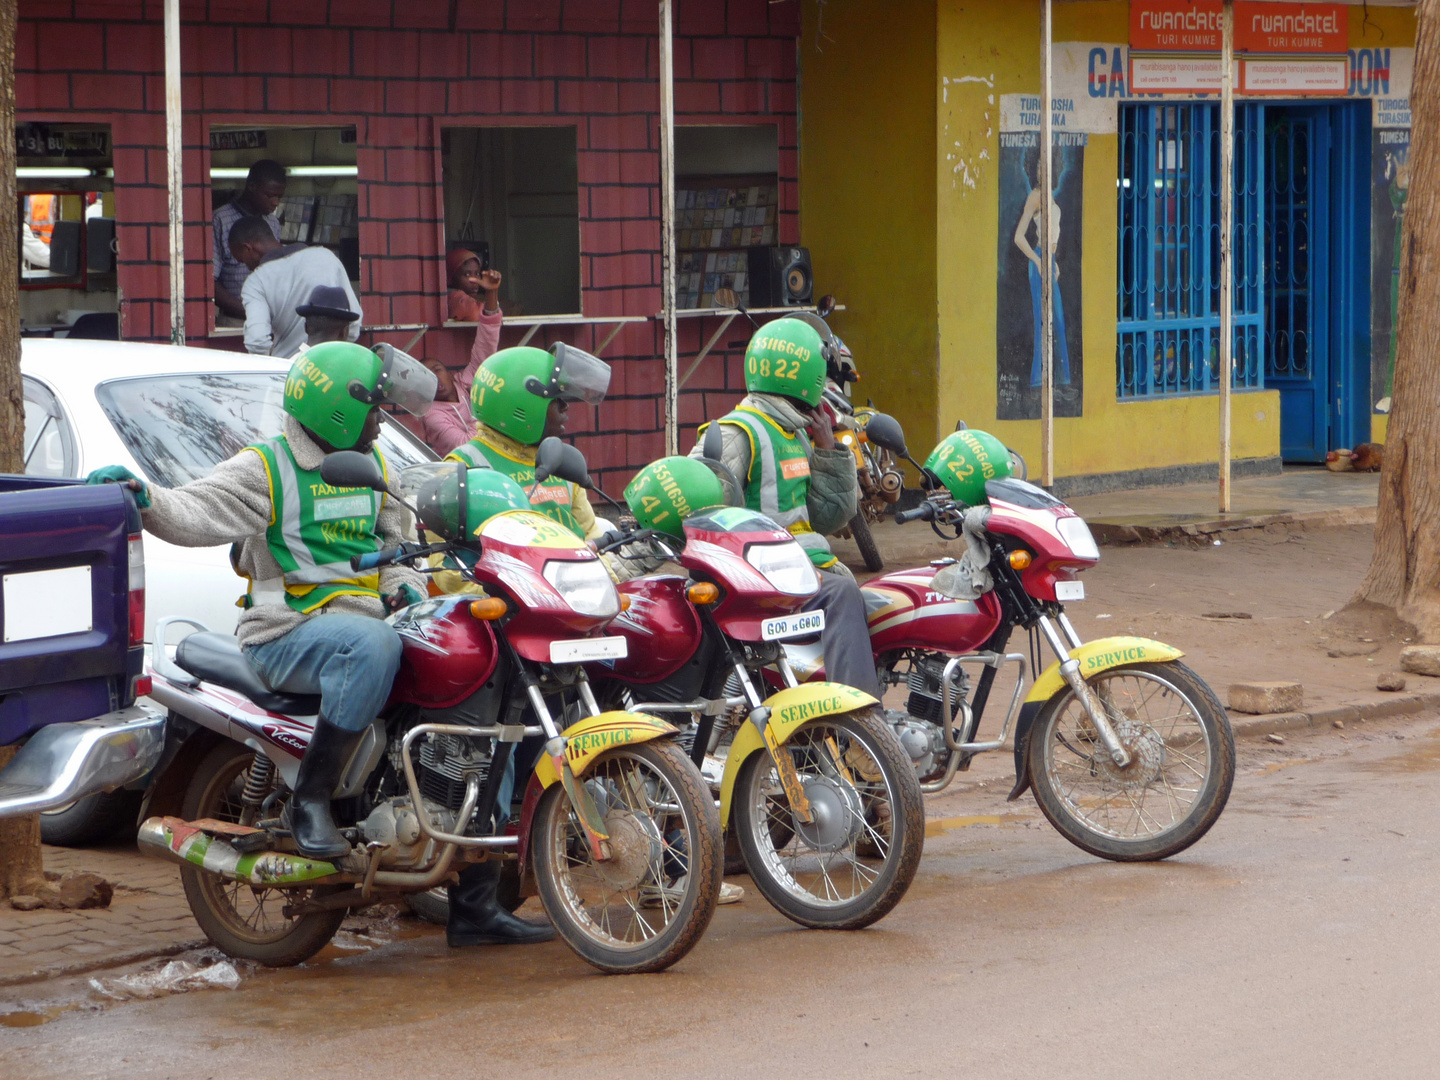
[
  {"x": 788, "y": 876},
  {"x": 865, "y": 541},
  {"x": 1179, "y": 777},
  {"x": 433, "y": 905},
  {"x": 665, "y": 871},
  {"x": 241, "y": 921}
]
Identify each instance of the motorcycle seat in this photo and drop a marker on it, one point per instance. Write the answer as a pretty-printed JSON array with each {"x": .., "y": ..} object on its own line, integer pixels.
[{"x": 217, "y": 658}]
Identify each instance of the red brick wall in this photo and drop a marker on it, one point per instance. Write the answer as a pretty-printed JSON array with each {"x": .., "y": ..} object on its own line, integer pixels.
[{"x": 396, "y": 69}]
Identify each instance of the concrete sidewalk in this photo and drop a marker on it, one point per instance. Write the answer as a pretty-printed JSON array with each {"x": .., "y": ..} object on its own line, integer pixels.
[{"x": 1306, "y": 495}]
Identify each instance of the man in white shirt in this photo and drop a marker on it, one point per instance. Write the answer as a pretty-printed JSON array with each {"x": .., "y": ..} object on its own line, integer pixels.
[{"x": 282, "y": 279}]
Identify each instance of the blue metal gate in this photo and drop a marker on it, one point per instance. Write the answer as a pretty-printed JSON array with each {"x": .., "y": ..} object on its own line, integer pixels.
[{"x": 1317, "y": 294}]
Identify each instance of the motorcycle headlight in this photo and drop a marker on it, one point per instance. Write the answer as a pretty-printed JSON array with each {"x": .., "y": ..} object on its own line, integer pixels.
[
  {"x": 1076, "y": 533},
  {"x": 785, "y": 565},
  {"x": 584, "y": 585}
]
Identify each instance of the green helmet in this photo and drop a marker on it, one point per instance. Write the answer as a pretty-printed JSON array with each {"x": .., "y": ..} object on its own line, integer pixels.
[
  {"x": 332, "y": 388},
  {"x": 786, "y": 357},
  {"x": 666, "y": 492},
  {"x": 455, "y": 501},
  {"x": 965, "y": 460},
  {"x": 513, "y": 389}
]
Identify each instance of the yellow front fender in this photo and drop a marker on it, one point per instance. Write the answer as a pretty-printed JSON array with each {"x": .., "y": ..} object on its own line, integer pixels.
[
  {"x": 591, "y": 737},
  {"x": 788, "y": 710},
  {"x": 1101, "y": 655}
]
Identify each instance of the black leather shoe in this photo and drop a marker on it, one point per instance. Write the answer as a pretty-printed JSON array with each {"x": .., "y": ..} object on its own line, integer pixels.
[
  {"x": 477, "y": 918},
  {"x": 307, "y": 815}
]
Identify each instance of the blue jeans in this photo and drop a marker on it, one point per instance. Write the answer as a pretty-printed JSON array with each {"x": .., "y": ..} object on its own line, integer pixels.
[
  {"x": 349, "y": 660},
  {"x": 1037, "y": 304}
]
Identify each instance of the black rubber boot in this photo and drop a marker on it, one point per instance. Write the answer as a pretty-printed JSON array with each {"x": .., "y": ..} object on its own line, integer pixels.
[
  {"x": 476, "y": 917},
  {"x": 308, "y": 814}
]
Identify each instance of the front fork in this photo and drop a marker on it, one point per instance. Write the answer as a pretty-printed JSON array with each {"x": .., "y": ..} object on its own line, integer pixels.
[
  {"x": 784, "y": 763},
  {"x": 1070, "y": 672},
  {"x": 580, "y": 797}
]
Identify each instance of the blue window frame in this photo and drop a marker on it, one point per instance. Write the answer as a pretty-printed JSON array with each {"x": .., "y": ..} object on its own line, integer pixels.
[{"x": 1168, "y": 289}]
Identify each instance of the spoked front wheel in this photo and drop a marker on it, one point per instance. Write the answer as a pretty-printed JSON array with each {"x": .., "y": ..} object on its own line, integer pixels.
[
  {"x": 1182, "y": 763},
  {"x": 645, "y": 906},
  {"x": 851, "y": 864}
]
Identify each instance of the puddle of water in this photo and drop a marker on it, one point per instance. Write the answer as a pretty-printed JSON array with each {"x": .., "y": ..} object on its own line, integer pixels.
[
  {"x": 27, "y": 1018},
  {"x": 939, "y": 826}
]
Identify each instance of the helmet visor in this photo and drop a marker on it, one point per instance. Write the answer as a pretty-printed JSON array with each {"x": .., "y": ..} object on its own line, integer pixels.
[
  {"x": 819, "y": 325},
  {"x": 581, "y": 377},
  {"x": 404, "y": 381},
  {"x": 437, "y": 490}
]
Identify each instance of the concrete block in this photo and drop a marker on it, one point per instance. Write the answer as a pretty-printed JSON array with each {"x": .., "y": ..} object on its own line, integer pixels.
[
  {"x": 1421, "y": 659},
  {"x": 1267, "y": 697}
]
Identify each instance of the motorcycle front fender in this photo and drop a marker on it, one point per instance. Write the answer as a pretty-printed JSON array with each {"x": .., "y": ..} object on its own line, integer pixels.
[
  {"x": 789, "y": 709},
  {"x": 587, "y": 740},
  {"x": 1095, "y": 656}
]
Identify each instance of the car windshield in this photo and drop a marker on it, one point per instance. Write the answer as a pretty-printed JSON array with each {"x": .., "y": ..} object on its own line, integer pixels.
[{"x": 179, "y": 427}]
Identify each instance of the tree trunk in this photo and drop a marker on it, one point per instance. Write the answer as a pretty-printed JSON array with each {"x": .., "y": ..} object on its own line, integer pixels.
[
  {"x": 1404, "y": 571},
  {"x": 19, "y": 837}
]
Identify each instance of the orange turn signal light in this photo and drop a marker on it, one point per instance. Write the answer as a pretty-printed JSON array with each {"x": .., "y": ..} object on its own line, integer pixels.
[
  {"x": 1020, "y": 560},
  {"x": 489, "y": 609},
  {"x": 624, "y": 602},
  {"x": 703, "y": 592}
]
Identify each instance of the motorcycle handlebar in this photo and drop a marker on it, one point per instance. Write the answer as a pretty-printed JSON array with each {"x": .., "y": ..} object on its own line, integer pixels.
[
  {"x": 385, "y": 556},
  {"x": 924, "y": 512}
]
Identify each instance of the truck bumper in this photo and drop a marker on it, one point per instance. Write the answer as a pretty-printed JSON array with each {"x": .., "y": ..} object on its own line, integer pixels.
[{"x": 65, "y": 762}]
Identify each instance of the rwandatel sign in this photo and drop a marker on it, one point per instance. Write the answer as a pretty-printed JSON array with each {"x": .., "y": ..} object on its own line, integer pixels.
[{"x": 1290, "y": 49}]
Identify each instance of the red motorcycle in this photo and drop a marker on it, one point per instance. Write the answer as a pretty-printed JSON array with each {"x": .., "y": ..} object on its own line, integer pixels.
[
  {"x": 1128, "y": 751},
  {"x": 825, "y": 806},
  {"x": 617, "y": 830}
]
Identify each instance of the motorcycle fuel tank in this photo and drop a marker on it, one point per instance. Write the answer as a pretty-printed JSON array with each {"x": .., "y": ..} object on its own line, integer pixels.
[
  {"x": 904, "y": 612},
  {"x": 661, "y": 628},
  {"x": 448, "y": 652}
]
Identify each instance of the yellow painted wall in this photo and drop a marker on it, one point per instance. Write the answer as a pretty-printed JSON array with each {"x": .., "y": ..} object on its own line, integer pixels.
[
  {"x": 867, "y": 193},
  {"x": 1001, "y": 42}
]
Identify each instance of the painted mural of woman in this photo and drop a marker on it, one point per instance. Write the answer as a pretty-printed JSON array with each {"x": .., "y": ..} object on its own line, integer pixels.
[
  {"x": 1029, "y": 213},
  {"x": 1397, "y": 169}
]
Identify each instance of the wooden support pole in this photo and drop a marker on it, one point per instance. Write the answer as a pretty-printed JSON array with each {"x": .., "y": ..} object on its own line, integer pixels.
[
  {"x": 667, "y": 228},
  {"x": 1227, "y": 234},
  {"x": 174, "y": 160},
  {"x": 1047, "y": 256}
]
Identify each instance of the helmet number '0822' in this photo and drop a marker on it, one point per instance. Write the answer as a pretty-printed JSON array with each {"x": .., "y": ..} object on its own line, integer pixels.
[{"x": 784, "y": 369}]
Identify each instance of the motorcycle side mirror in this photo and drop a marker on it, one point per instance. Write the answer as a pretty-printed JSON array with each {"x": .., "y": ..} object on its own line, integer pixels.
[
  {"x": 556, "y": 458},
  {"x": 825, "y": 306},
  {"x": 885, "y": 432},
  {"x": 960, "y": 425},
  {"x": 726, "y": 298},
  {"x": 351, "y": 469}
]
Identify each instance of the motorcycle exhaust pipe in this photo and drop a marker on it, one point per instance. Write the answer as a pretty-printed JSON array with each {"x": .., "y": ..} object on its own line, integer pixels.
[{"x": 180, "y": 842}]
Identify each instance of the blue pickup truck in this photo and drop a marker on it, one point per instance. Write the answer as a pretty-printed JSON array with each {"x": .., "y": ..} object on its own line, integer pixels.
[{"x": 72, "y": 612}]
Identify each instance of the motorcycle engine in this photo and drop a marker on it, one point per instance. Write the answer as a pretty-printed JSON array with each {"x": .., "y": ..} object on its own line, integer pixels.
[
  {"x": 445, "y": 763},
  {"x": 922, "y": 735},
  {"x": 394, "y": 824}
]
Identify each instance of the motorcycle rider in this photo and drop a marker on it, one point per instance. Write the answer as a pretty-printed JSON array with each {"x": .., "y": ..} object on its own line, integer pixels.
[
  {"x": 808, "y": 487},
  {"x": 293, "y": 538}
]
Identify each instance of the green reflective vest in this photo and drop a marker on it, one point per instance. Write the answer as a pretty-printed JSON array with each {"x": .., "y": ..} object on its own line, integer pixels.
[
  {"x": 552, "y": 498},
  {"x": 778, "y": 484},
  {"x": 315, "y": 529}
]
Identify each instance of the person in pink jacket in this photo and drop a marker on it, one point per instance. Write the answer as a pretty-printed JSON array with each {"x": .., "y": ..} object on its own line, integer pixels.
[{"x": 448, "y": 422}]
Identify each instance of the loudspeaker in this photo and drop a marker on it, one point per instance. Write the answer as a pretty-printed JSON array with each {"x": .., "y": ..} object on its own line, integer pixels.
[
  {"x": 780, "y": 277},
  {"x": 65, "y": 249},
  {"x": 100, "y": 245}
]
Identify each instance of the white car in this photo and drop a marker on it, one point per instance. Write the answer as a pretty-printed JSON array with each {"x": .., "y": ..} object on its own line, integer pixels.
[{"x": 171, "y": 415}]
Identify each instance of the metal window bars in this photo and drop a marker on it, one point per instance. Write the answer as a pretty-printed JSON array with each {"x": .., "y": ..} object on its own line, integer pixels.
[{"x": 1168, "y": 287}]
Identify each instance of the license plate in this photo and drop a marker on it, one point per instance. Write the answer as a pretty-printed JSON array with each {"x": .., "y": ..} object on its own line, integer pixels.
[
  {"x": 47, "y": 603},
  {"x": 1069, "y": 590},
  {"x": 786, "y": 626},
  {"x": 583, "y": 650}
]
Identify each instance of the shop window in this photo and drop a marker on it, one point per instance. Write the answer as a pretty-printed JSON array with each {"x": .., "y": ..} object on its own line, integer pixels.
[
  {"x": 66, "y": 209},
  {"x": 1168, "y": 287},
  {"x": 309, "y": 176},
  {"x": 512, "y": 198},
  {"x": 727, "y": 191}
]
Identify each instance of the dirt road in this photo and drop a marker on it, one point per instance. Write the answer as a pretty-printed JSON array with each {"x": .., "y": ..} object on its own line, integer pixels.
[{"x": 1295, "y": 941}]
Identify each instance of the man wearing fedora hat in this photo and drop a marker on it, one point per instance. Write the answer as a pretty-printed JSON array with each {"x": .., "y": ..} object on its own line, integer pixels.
[{"x": 327, "y": 315}]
